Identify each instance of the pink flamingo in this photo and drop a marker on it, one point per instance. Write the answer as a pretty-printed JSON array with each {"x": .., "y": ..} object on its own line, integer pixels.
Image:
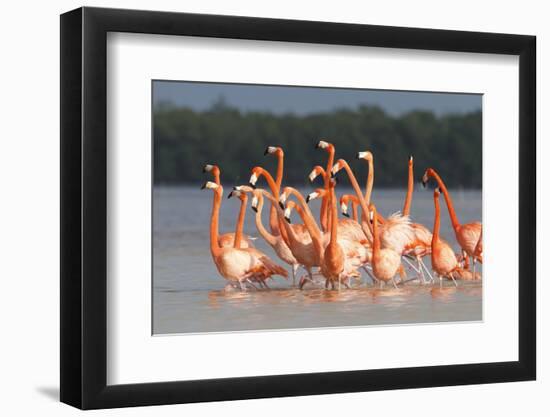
[
  {"x": 421, "y": 245},
  {"x": 228, "y": 239},
  {"x": 275, "y": 241},
  {"x": 237, "y": 265},
  {"x": 467, "y": 235},
  {"x": 444, "y": 261}
]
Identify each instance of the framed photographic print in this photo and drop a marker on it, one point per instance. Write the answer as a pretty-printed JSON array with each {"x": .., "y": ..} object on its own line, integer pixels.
[{"x": 257, "y": 208}]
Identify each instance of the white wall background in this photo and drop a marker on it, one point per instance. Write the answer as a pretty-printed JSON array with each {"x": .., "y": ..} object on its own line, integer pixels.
[{"x": 29, "y": 206}]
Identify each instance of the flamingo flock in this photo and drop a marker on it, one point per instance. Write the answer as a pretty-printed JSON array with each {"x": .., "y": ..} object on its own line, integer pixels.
[{"x": 334, "y": 251}]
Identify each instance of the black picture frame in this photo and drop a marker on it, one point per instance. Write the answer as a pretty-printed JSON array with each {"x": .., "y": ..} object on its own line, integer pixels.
[{"x": 84, "y": 207}]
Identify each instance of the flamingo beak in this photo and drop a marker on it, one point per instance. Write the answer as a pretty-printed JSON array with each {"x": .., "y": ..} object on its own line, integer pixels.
[
  {"x": 253, "y": 180},
  {"x": 287, "y": 215},
  {"x": 254, "y": 204},
  {"x": 282, "y": 201},
  {"x": 345, "y": 214},
  {"x": 266, "y": 151},
  {"x": 203, "y": 186}
]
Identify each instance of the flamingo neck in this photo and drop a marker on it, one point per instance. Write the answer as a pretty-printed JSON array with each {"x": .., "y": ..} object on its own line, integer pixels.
[
  {"x": 280, "y": 168},
  {"x": 370, "y": 182},
  {"x": 273, "y": 221},
  {"x": 408, "y": 198},
  {"x": 324, "y": 203},
  {"x": 259, "y": 225},
  {"x": 334, "y": 217},
  {"x": 214, "y": 220},
  {"x": 448, "y": 200},
  {"x": 240, "y": 223},
  {"x": 437, "y": 220}
]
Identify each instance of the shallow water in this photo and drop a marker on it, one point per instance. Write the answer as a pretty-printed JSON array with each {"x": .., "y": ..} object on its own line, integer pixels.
[{"x": 189, "y": 295}]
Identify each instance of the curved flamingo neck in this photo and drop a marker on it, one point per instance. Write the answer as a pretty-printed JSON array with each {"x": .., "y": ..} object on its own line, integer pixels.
[
  {"x": 308, "y": 215},
  {"x": 274, "y": 223},
  {"x": 448, "y": 200},
  {"x": 408, "y": 197},
  {"x": 214, "y": 221},
  {"x": 259, "y": 225},
  {"x": 240, "y": 222}
]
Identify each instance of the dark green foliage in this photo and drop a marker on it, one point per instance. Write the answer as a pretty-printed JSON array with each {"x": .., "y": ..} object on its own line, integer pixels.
[{"x": 185, "y": 140}]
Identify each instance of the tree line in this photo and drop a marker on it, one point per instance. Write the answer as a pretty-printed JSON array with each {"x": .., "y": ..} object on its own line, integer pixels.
[{"x": 184, "y": 140}]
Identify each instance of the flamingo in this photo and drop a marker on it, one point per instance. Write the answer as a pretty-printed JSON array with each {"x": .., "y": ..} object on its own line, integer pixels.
[
  {"x": 385, "y": 261},
  {"x": 349, "y": 228},
  {"x": 237, "y": 265},
  {"x": 467, "y": 235},
  {"x": 279, "y": 153},
  {"x": 228, "y": 239},
  {"x": 396, "y": 230},
  {"x": 420, "y": 246},
  {"x": 356, "y": 253},
  {"x": 444, "y": 261},
  {"x": 275, "y": 241}
]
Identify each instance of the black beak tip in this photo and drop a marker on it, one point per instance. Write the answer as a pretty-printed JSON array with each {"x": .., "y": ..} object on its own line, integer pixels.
[
  {"x": 266, "y": 151},
  {"x": 307, "y": 199},
  {"x": 357, "y": 155},
  {"x": 281, "y": 205},
  {"x": 252, "y": 185},
  {"x": 345, "y": 214},
  {"x": 230, "y": 195},
  {"x": 316, "y": 146},
  {"x": 423, "y": 184},
  {"x": 288, "y": 220},
  {"x": 255, "y": 209},
  {"x": 203, "y": 186}
]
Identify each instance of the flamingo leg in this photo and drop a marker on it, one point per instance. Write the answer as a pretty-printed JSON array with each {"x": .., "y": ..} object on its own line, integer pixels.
[
  {"x": 474, "y": 261},
  {"x": 372, "y": 277},
  {"x": 453, "y": 278},
  {"x": 252, "y": 284},
  {"x": 393, "y": 282},
  {"x": 294, "y": 270},
  {"x": 427, "y": 270}
]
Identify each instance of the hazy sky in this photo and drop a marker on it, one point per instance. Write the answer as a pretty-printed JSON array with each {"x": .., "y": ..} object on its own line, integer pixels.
[{"x": 305, "y": 100}]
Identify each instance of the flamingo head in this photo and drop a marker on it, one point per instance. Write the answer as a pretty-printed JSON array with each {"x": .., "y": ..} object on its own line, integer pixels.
[
  {"x": 274, "y": 150},
  {"x": 282, "y": 198},
  {"x": 329, "y": 147},
  {"x": 243, "y": 188},
  {"x": 288, "y": 210},
  {"x": 241, "y": 195},
  {"x": 255, "y": 200},
  {"x": 214, "y": 169},
  {"x": 366, "y": 155},
  {"x": 211, "y": 186},
  {"x": 319, "y": 192},
  {"x": 315, "y": 172},
  {"x": 255, "y": 174},
  {"x": 337, "y": 167},
  {"x": 344, "y": 204},
  {"x": 372, "y": 213}
]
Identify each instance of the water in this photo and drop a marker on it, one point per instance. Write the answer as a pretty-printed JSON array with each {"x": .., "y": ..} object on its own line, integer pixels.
[{"x": 189, "y": 295}]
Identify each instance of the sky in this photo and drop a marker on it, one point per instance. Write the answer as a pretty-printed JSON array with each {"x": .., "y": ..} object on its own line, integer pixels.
[{"x": 306, "y": 100}]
